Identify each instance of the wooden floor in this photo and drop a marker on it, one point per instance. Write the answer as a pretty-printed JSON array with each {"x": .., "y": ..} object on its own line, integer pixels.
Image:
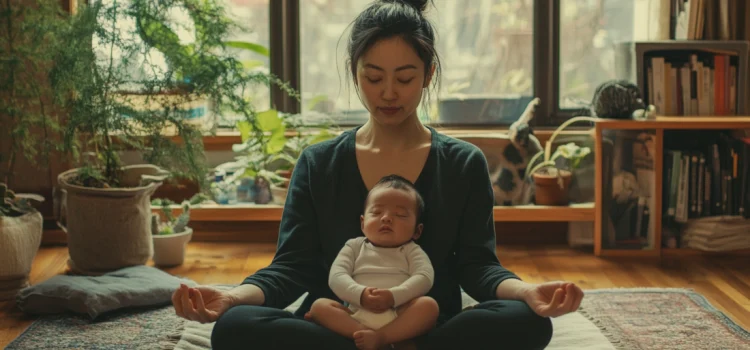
[{"x": 724, "y": 281}]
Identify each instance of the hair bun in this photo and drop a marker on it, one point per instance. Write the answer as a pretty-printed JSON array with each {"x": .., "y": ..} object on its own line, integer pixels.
[{"x": 419, "y": 5}]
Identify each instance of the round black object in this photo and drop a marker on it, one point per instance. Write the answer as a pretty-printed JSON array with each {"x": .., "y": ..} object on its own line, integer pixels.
[{"x": 616, "y": 99}]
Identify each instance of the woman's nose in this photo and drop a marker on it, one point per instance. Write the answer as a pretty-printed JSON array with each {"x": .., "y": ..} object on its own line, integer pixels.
[{"x": 389, "y": 93}]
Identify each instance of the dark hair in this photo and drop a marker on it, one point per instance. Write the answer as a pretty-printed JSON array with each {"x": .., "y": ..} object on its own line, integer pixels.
[
  {"x": 390, "y": 18},
  {"x": 397, "y": 182}
]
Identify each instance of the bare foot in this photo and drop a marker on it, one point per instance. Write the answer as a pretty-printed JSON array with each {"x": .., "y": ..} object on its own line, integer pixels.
[{"x": 368, "y": 340}]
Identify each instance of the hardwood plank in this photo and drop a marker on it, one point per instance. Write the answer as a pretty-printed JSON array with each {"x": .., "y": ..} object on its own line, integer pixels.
[{"x": 723, "y": 280}]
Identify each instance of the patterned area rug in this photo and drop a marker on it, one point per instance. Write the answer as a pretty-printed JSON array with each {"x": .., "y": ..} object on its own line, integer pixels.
[
  {"x": 647, "y": 318},
  {"x": 631, "y": 319}
]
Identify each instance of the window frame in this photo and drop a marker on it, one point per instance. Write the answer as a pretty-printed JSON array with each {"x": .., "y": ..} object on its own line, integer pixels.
[{"x": 285, "y": 39}]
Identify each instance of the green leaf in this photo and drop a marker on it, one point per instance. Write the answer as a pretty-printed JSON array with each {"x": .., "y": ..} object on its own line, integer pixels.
[
  {"x": 277, "y": 142},
  {"x": 259, "y": 49},
  {"x": 249, "y": 172},
  {"x": 269, "y": 120},
  {"x": 323, "y": 135},
  {"x": 245, "y": 129},
  {"x": 252, "y": 64}
]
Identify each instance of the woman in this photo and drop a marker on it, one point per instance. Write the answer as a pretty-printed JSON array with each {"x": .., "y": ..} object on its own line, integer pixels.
[{"x": 393, "y": 61}]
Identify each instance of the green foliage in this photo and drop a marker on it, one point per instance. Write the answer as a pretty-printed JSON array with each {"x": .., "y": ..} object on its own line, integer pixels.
[
  {"x": 171, "y": 224},
  {"x": 12, "y": 205},
  {"x": 147, "y": 109},
  {"x": 276, "y": 139},
  {"x": 572, "y": 152},
  {"x": 30, "y": 37}
]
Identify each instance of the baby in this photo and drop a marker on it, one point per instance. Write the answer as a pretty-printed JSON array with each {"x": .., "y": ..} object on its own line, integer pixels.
[{"x": 384, "y": 275}]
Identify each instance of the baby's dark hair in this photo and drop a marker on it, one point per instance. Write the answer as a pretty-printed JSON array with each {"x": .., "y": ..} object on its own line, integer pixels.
[
  {"x": 390, "y": 18},
  {"x": 397, "y": 182}
]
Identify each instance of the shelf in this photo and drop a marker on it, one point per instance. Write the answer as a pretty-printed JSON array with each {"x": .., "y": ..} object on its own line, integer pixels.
[
  {"x": 526, "y": 213},
  {"x": 677, "y": 122},
  {"x": 531, "y": 213},
  {"x": 235, "y": 212}
]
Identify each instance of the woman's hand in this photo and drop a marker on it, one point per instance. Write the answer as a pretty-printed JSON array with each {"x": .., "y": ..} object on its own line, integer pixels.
[
  {"x": 553, "y": 299},
  {"x": 203, "y": 304}
]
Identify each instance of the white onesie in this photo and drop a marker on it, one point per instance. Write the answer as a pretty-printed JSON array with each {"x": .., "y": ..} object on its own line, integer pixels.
[{"x": 406, "y": 271}]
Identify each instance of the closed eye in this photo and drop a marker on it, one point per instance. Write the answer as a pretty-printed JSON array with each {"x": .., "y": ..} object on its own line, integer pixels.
[
  {"x": 375, "y": 80},
  {"x": 405, "y": 81}
]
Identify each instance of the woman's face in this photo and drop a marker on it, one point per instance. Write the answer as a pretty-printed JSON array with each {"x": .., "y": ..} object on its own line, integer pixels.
[{"x": 391, "y": 79}]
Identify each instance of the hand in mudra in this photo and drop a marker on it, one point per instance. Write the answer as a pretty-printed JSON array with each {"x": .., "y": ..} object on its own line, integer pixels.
[
  {"x": 376, "y": 300},
  {"x": 203, "y": 304},
  {"x": 554, "y": 299}
]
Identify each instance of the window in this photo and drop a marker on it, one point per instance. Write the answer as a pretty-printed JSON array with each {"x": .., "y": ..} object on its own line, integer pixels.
[
  {"x": 590, "y": 31},
  {"x": 252, "y": 15},
  {"x": 485, "y": 49},
  {"x": 496, "y": 54}
]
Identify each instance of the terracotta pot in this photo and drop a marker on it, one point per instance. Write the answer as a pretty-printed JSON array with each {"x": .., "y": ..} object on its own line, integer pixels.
[{"x": 547, "y": 189}]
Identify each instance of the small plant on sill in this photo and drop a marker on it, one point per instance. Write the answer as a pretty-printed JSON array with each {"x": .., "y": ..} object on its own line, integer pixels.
[
  {"x": 170, "y": 224},
  {"x": 15, "y": 205},
  {"x": 551, "y": 181}
]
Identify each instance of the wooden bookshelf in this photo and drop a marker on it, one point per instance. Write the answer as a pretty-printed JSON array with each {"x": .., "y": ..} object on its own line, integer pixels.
[
  {"x": 677, "y": 123},
  {"x": 537, "y": 213},
  {"x": 658, "y": 127},
  {"x": 526, "y": 213}
]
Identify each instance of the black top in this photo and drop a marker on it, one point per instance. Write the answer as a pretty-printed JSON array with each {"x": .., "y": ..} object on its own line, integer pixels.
[{"x": 326, "y": 198}]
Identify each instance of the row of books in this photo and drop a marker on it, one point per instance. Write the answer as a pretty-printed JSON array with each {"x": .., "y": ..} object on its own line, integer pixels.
[
  {"x": 693, "y": 84},
  {"x": 709, "y": 179}
]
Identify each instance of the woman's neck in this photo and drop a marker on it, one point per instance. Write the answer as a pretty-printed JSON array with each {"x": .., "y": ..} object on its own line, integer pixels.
[{"x": 409, "y": 135}]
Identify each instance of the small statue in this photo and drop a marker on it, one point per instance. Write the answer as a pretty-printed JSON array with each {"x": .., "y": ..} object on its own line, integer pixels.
[
  {"x": 262, "y": 190},
  {"x": 510, "y": 186}
]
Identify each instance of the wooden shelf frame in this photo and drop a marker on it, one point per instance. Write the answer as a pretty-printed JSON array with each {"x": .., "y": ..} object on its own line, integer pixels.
[
  {"x": 528, "y": 213},
  {"x": 659, "y": 125}
]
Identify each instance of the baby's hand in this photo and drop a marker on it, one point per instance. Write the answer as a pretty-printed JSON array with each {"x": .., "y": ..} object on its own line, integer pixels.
[
  {"x": 374, "y": 302},
  {"x": 384, "y": 296}
]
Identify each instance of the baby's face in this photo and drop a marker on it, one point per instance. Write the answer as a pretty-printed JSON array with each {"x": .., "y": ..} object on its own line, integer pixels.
[{"x": 390, "y": 218}]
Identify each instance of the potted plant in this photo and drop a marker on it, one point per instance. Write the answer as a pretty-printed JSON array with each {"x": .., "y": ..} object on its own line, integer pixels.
[
  {"x": 141, "y": 88},
  {"x": 20, "y": 236},
  {"x": 170, "y": 234},
  {"x": 551, "y": 177},
  {"x": 270, "y": 149}
]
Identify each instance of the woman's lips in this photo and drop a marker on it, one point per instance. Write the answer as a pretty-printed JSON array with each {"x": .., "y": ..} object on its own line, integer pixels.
[{"x": 390, "y": 110}]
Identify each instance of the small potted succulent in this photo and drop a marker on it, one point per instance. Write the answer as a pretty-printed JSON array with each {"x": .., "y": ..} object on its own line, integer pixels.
[
  {"x": 552, "y": 177},
  {"x": 170, "y": 234},
  {"x": 20, "y": 237}
]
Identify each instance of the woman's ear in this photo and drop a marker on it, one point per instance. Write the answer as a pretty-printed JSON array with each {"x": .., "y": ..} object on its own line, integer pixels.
[
  {"x": 429, "y": 76},
  {"x": 418, "y": 232}
]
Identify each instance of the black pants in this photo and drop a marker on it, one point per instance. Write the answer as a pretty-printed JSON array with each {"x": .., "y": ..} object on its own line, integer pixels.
[{"x": 496, "y": 325}]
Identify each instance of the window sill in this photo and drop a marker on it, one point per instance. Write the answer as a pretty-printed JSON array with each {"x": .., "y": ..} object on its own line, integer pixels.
[
  {"x": 223, "y": 140},
  {"x": 269, "y": 212}
]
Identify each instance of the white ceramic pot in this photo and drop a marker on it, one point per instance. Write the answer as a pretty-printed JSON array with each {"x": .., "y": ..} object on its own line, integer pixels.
[
  {"x": 279, "y": 194},
  {"x": 169, "y": 250}
]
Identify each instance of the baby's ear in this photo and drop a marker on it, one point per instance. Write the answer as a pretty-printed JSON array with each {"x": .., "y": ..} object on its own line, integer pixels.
[
  {"x": 362, "y": 223},
  {"x": 418, "y": 232}
]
